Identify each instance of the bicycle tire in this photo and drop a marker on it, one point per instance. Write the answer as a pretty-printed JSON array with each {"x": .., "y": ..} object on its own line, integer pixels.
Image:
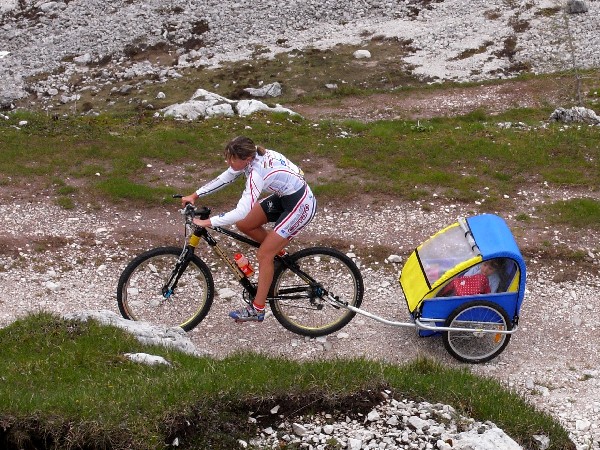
[
  {"x": 139, "y": 291},
  {"x": 300, "y": 308},
  {"x": 476, "y": 346}
]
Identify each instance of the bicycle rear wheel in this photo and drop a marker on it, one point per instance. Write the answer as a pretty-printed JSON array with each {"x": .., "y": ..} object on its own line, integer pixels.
[
  {"x": 477, "y": 346},
  {"x": 302, "y": 307},
  {"x": 140, "y": 289}
]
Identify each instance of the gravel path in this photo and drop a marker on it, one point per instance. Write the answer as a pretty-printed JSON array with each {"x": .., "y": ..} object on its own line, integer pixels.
[{"x": 72, "y": 259}]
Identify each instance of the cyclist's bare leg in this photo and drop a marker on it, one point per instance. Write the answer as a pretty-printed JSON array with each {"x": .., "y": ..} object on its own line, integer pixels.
[
  {"x": 271, "y": 245},
  {"x": 252, "y": 224}
]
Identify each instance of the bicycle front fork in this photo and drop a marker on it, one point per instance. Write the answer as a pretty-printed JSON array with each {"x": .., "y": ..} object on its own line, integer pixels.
[{"x": 182, "y": 262}]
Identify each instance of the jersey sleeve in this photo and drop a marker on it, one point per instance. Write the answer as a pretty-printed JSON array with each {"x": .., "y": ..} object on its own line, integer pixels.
[
  {"x": 494, "y": 282},
  {"x": 252, "y": 191},
  {"x": 227, "y": 177},
  {"x": 472, "y": 271}
]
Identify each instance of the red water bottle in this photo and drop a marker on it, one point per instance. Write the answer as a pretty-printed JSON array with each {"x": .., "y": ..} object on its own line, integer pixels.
[{"x": 244, "y": 264}]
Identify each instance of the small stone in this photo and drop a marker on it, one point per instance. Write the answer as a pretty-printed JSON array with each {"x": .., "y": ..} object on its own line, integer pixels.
[
  {"x": 582, "y": 425},
  {"x": 52, "y": 286},
  {"x": 394, "y": 259},
  {"x": 299, "y": 430},
  {"x": 362, "y": 54},
  {"x": 354, "y": 444},
  {"x": 373, "y": 416},
  {"x": 226, "y": 293}
]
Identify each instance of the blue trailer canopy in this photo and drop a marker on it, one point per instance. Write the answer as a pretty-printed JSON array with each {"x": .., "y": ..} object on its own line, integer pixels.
[{"x": 456, "y": 248}]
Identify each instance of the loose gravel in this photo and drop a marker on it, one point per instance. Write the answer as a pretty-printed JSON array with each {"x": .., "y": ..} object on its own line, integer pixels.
[{"x": 61, "y": 261}]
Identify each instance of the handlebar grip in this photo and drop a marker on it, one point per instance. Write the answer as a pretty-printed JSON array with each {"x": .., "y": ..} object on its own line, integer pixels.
[
  {"x": 203, "y": 212},
  {"x": 181, "y": 196}
]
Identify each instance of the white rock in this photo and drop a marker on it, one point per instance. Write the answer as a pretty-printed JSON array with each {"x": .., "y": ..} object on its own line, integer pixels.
[
  {"x": 442, "y": 445},
  {"x": 143, "y": 331},
  {"x": 145, "y": 358},
  {"x": 299, "y": 430},
  {"x": 83, "y": 59},
  {"x": 417, "y": 423},
  {"x": 582, "y": 425},
  {"x": 354, "y": 444},
  {"x": 52, "y": 286},
  {"x": 269, "y": 90},
  {"x": 394, "y": 259},
  {"x": 361, "y": 54},
  {"x": 492, "y": 439},
  {"x": 542, "y": 441},
  {"x": 226, "y": 293},
  {"x": 392, "y": 421},
  {"x": 248, "y": 107},
  {"x": 373, "y": 416},
  {"x": 223, "y": 109}
]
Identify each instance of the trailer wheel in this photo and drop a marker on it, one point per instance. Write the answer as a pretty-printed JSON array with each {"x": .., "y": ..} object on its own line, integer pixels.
[{"x": 477, "y": 343}]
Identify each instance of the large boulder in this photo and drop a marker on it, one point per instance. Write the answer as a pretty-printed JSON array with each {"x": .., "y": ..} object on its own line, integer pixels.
[
  {"x": 205, "y": 104},
  {"x": 575, "y": 114},
  {"x": 268, "y": 90}
]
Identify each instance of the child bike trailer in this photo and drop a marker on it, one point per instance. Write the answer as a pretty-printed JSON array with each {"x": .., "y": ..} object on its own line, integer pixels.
[{"x": 467, "y": 282}]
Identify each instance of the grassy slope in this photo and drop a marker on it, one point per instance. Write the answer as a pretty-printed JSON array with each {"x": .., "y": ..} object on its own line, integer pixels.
[{"x": 69, "y": 384}]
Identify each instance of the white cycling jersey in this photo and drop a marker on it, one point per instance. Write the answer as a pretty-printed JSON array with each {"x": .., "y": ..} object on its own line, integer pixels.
[{"x": 271, "y": 172}]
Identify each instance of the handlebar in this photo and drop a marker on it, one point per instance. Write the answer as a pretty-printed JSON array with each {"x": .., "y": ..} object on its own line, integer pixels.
[{"x": 190, "y": 211}]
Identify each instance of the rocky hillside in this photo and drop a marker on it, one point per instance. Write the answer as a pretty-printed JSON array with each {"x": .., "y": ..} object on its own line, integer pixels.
[{"x": 51, "y": 52}]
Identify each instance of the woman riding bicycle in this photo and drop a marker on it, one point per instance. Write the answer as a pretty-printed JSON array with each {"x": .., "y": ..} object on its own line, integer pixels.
[{"x": 291, "y": 206}]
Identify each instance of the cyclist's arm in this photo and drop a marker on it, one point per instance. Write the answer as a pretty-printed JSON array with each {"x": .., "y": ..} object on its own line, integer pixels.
[
  {"x": 254, "y": 185},
  {"x": 227, "y": 177}
]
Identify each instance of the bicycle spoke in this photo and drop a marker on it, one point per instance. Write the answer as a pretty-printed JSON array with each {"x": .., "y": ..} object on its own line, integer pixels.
[
  {"x": 140, "y": 294},
  {"x": 313, "y": 315},
  {"x": 475, "y": 345}
]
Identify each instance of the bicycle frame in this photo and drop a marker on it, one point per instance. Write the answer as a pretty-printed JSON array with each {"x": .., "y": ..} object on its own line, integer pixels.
[{"x": 201, "y": 233}]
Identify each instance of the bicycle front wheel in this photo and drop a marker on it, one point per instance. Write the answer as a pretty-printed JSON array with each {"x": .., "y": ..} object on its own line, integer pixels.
[
  {"x": 302, "y": 306},
  {"x": 475, "y": 345},
  {"x": 141, "y": 294}
]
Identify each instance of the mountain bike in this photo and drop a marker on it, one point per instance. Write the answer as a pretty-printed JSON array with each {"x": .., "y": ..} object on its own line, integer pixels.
[{"x": 173, "y": 286}]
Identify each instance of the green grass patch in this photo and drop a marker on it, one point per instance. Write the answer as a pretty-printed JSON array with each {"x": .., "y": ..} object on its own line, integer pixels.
[
  {"x": 145, "y": 159},
  {"x": 65, "y": 202},
  {"x": 69, "y": 383},
  {"x": 578, "y": 212}
]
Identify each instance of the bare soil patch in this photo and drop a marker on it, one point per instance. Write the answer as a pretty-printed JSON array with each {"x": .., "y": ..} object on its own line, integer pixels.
[{"x": 440, "y": 102}]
